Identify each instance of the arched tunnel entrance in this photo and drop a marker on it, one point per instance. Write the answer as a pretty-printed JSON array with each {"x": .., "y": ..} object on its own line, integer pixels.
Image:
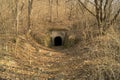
[{"x": 58, "y": 41}]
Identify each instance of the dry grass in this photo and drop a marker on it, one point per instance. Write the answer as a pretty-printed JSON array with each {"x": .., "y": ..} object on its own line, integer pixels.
[{"x": 93, "y": 57}]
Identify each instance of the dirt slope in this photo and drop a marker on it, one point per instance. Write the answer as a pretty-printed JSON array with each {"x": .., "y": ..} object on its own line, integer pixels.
[{"x": 97, "y": 59}]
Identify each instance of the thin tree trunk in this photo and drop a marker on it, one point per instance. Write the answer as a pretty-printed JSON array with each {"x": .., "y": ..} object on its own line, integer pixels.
[
  {"x": 16, "y": 24},
  {"x": 29, "y": 12},
  {"x": 50, "y": 9},
  {"x": 101, "y": 11},
  {"x": 97, "y": 12},
  {"x": 57, "y": 2}
]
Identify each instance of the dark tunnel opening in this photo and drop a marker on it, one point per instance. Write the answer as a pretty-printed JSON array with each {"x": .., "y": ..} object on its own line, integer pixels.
[{"x": 58, "y": 41}]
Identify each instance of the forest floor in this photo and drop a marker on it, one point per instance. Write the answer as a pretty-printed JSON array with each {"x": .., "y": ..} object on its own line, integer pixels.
[
  {"x": 25, "y": 59},
  {"x": 29, "y": 62}
]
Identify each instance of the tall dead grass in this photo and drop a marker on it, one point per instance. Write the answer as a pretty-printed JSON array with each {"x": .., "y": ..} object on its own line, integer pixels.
[{"x": 93, "y": 57}]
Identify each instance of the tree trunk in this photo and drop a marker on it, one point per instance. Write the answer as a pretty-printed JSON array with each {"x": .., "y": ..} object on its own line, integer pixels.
[
  {"x": 57, "y": 2},
  {"x": 50, "y": 9}
]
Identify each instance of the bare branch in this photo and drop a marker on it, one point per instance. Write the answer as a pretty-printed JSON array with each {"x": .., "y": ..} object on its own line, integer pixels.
[
  {"x": 115, "y": 17},
  {"x": 86, "y": 8},
  {"x": 109, "y": 8},
  {"x": 91, "y": 3},
  {"x": 101, "y": 10},
  {"x": 30, "y": 2},
  {"x": 97, "y": 12},
  {"x": 105, "y": 14}
]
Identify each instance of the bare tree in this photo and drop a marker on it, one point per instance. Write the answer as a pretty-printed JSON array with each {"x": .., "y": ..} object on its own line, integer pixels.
[
  {"x": 50, "y": 9},
  {"x": 30, "y": 2},
  {"x": 71, "y": 7},
  {"x": 57, "y": 2},
  {"x": 103, "y": 13},
  {"x": 18, "y": 11}
]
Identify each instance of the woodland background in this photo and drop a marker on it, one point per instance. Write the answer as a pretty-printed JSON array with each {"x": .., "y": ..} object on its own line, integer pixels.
[{"x": 95, "y": 56}]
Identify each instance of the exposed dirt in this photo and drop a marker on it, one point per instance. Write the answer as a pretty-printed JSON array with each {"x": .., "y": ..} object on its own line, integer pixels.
[{"x": 96, "y": 59}]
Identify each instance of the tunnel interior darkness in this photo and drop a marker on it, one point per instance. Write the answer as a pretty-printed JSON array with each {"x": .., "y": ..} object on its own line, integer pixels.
[{"x": 58, "y": 41}]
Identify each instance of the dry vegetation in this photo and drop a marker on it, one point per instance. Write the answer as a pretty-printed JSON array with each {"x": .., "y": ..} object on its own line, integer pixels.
[{"x": 94, "y": 56}]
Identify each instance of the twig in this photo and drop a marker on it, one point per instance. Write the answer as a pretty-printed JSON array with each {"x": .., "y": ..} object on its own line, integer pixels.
[{"x": 86, "y": 8}]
